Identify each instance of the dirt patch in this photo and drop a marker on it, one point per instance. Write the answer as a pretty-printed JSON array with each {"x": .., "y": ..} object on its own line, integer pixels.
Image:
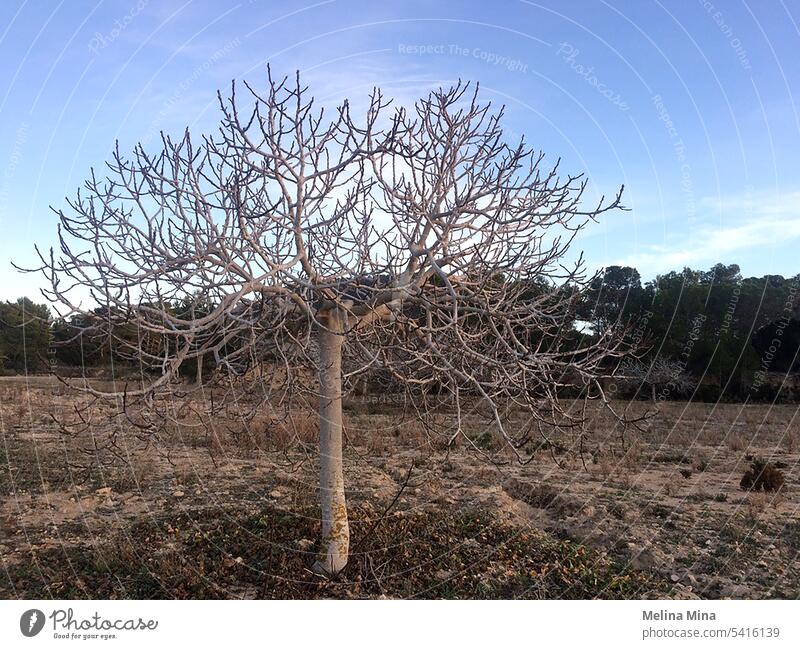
[{"x": 664, "y": 506}]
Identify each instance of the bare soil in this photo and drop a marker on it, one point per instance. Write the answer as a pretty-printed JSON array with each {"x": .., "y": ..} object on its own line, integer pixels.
[{"x": 659, "y": 513}]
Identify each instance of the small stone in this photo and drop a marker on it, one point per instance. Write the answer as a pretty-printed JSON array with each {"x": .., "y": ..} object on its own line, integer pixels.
[
  {"x": 275, "y": 493},
  {"x": 178, "y": 494},
  {"x": 675, "y": 578},
  {"x": 304, "y": 544},
  {"x": 646, "y": 558},
  {"x": 735, "y": 591}
]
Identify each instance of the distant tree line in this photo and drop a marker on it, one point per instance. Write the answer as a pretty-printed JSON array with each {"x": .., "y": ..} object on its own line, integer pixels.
[
  {"x": 711, "y": 334},
  {"x": 33, "y": 341},
  {"x": 25, "y": 335},
  {"x": 707, "y": 334}
]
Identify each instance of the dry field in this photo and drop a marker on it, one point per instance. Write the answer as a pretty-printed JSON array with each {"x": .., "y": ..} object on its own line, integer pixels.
[{"x": 232, "y": 513}]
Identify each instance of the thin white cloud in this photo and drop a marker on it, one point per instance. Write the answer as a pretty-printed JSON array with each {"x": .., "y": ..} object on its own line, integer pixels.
[{"x": 770, "y": 221}]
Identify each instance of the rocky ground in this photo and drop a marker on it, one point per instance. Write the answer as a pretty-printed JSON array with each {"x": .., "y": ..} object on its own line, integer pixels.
[{"x": 659, "y": 513}]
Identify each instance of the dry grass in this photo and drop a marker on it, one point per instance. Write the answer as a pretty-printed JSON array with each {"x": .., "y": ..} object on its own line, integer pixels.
[{"x": 672, "y": 489}]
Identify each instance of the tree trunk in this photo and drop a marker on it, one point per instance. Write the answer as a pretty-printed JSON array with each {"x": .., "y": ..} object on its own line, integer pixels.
[{"x": 335, "y": 529}]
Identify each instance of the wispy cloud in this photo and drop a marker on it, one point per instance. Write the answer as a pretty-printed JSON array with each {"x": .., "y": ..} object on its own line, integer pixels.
[{"x": 769, "y": 222}]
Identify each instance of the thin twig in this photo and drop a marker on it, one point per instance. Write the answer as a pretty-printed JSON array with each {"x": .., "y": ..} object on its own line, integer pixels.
[{"x": 380, "y": 519}]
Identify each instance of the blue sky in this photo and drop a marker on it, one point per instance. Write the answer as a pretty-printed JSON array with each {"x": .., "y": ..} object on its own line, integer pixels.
[{"x": 689, "y": 103}]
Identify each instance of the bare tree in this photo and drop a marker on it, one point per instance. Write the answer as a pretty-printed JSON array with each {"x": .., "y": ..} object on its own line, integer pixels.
[
  {"x": 418, "y": 244},
  {"x": 662, "y": 375}
]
